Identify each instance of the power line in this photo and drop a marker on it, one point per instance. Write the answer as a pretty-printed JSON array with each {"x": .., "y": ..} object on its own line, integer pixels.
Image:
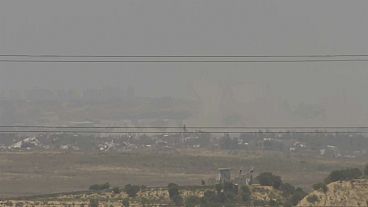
[
  {"x": 184, "y": 61},
  {"x": 181, "y": 132},
  {"x": 55, "y": 58},
  {"x": 182, "y": 56},
  {"x": 181, "y": 127}
]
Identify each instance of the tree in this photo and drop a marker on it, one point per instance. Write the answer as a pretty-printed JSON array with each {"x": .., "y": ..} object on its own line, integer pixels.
[
  {"x": 178, "y": 200},
  {"x": 291, "y": 194},
  {"x": 274, "y": 203},
  {"x": 192, "y": 201},
  {"x": 345, "y": 174},
  {"x": 230, "y": 191},
  {"x": 116, "y": 190},
  {"x": 320, "y": 187},
  {"x": 268, "y": 179},
  {"x": 287, "y": 189},
  {"x": 246, "y": 194},
  {"x": 125, "y": 202},
  {"x": 174, "y": 193},
  {"x": 312, "y": 199},
  {"x": 230, "y": 188},
  {"x": 218, "y": 188},
  {"x": 131, "y": 190},
  {"x": 209, "y": 198},
  {"x": 99, "y": 187},
  {"x": 277, "y": 182},
  {"x": 93, "y": 203},
  {"x": 173, "y": 189},
  {"x": 298, "y": 195}
]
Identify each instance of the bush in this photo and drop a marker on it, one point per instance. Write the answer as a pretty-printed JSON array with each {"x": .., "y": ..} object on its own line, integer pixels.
[
  {"x": 131, "y": 190},
  {"x": 226, "y": 192},
  {"x": 93, "y": 203},
  {"x": 99, "y": 187},
  {"x": 246, "y": 194},
  {"x": 268, "y": 179},
  {"x": 274, "y": 203},
  {"x": 312, "y": 199},
  {"x": 210, "y": 199},
  {"x": 116, "y": 190},
  {"x": 320, "y": 187},
  {"x": 209, "y": 195},
  {"x": 260, "y": 203},
  {"x": 178, "y": 200},
  {"x": 230, "y": 188},
  {"x": 298, "y": 195},
  {"x": 174, "y": 193},
  {"x": 173, "y": 189},
  {"x": 125, "y": 202},
  {"x": 292, "y": 195},
  {"x": 218, "y": 188},
  {"x": 192, "y": 201},
  {"x": 223, "y": 195},
  {"x": 287, "y": 189},
  {"x": 346, "y": 174},
  {"x": 366, "y": 170}
]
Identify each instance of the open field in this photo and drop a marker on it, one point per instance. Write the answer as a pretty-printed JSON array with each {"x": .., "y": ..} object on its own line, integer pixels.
[{"x": 31, "y": 173}]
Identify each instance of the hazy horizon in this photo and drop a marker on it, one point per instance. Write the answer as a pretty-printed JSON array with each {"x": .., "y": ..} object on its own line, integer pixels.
[{"x": 193, "y": 28}]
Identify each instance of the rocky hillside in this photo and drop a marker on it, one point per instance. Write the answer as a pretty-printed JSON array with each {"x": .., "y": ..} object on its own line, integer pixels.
[
  {"x": 340, "y": 193},
  {"x": 150, "y": 196}
]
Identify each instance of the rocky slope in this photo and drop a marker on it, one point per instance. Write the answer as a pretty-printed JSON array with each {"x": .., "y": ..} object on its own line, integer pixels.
[
  {"x": 150, "y": 196},
  {"x": 341, "y": 193}
]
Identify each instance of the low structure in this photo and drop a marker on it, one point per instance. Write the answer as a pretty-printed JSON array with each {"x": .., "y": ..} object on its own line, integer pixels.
[{"x": 224, "y": 175}]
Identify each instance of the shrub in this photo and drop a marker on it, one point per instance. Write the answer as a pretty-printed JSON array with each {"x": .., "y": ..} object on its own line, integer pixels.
[
  {"x": 346, "y": 174},
  {"x": 246, "y": 194},
  {"x": 19, "y": 204},
  {"x": 131, "y": 190},
  {"x": 192, "y": 201},
  {"x": 287, "y": 189},
  {"x": 125, "y": 202},
  {"x": 209, "y": 197},
  {"x": 218, "y": 188},
  {"x": 268, "y": 179},
  {"x": 298, "y": 195},
  {"x": 226, "y": 192},
  {"x": 93, "y": 203},
  {"x": 173, "y": 189},
  {"x": 291, "y": 194},
  {"x": 116, "y": 190},
  {"x": 320, "y": 187},
  {"x": 260, "y": 203},
  {"x": 99, "y": 187},
  {"x": 174, "y": 193},
  {"x": 178, "y": 200},
  {"x": 312, "y": 199},
  {"x": 230, "y": 188},
  {"x": 273, "y": 203}
]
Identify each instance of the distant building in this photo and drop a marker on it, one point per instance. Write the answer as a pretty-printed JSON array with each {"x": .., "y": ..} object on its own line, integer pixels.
[
  {"x": 224, "y": 175},
  {"x": 245, "y": 177}
]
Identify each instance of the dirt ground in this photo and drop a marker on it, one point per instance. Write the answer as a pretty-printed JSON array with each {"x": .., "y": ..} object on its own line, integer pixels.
[{"x": 31, "y": 173}]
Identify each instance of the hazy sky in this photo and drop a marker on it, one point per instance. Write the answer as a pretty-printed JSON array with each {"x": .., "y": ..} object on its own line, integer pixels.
[{"x": 190, "y": 27}]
